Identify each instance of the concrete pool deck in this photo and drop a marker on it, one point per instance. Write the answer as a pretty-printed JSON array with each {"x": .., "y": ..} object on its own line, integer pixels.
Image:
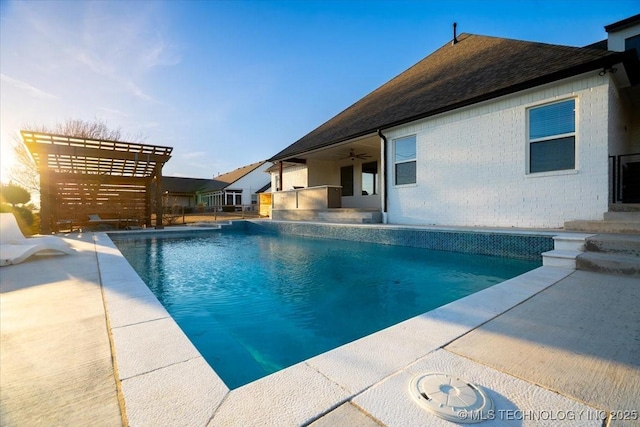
[{"x": 84, "y": 342}]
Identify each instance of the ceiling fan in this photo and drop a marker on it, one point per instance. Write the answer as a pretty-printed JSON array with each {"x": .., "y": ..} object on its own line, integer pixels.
[{"x": 352, "y": 155}]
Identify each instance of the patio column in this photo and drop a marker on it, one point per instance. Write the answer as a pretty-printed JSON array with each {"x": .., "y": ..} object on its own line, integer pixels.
[
  {"x": 45, "y": 199},
  {"x": 158, "y": 196},
  {"x": 280, "y": 174},
  {"x": 147, "y": 202}
]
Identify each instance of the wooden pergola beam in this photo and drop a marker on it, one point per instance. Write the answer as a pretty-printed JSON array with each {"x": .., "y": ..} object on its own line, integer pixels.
[
  {"x": 95, "y": 153},
  {"x": 106, "y": 179},
  {"x": 81, "y": 174}
]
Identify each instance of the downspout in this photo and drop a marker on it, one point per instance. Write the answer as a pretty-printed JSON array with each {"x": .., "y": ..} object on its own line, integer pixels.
[{"x": 383, "y": 169}]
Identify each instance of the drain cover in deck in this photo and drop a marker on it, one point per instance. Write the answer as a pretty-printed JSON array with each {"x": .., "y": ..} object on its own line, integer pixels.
[{"x": 451, "y": 398}]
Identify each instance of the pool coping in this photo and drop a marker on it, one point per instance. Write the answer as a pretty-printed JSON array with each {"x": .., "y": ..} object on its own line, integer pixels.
[{"x": 165, "y": 381}]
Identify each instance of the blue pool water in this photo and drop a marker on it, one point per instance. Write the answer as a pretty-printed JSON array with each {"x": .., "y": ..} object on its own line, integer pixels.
[{"x": 255, "y": 304}]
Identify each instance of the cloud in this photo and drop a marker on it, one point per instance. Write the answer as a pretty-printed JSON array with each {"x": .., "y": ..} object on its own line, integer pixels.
[
  {"x": 31, "y": 90},
  {"x": 113, "y": 112},
  {"x": 114, "y": 45}
]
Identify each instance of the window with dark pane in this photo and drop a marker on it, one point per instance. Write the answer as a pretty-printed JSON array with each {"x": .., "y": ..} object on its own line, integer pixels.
[
  {"x": 552, "y": 140},
  {"x": 405, "y": 160},
  {"x": 346, "y": 180}
]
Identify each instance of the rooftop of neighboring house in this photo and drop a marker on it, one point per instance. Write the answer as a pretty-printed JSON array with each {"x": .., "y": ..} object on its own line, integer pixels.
[
  {"x": 194, "y": 185},
  {"x": 234, "y": 175},
  {"x": 468, "y": 70},
  {"x": 190, "y": 185}
]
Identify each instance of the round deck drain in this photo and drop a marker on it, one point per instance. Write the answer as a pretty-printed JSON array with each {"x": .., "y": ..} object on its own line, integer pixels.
[{"x": 451, "y": 398}]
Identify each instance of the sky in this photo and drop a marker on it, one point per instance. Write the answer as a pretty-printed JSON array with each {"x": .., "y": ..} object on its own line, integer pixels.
[{"x": 229, "y": 83}]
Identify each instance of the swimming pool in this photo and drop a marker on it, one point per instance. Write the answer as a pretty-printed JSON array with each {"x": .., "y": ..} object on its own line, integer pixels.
[{"x": 255, "y": 304}]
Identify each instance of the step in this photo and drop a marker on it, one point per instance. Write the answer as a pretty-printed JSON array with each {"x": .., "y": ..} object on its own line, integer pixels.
[
  {"x": 622, "y": 216},
  {"x": 623, "y": 244},
  {"x": 610, "y": 263},
  {"x": 356, "y": 217},
  {"x": 591, "y": 226},
  {"x": 571, "y": 242},
  {"x": 624, "y": 207},
  {"x": 560, "y": 258},
  {"x": 342, "y": 216}
]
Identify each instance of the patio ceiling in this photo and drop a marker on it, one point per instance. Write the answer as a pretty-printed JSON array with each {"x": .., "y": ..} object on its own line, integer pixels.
[{"x": 368, "y": 145}]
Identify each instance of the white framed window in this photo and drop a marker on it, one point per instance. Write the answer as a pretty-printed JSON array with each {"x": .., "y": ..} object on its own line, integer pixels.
[
  {"x": 404, "y": 160},
  {"x": 552, "y": 137}
]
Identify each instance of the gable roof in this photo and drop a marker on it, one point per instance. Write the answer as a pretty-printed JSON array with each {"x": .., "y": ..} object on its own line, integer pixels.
[
  {"x": 174, "y": 184},
  {"x": 233, "y": 176},
  {"x": 621, "y": 25},
  {"x": 474, "y": 69}
]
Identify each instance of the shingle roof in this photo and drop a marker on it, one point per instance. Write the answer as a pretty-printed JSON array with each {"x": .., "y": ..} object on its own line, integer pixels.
[
  {"x": 233, "y": 176},
  {"x": 475, "y": 69},
  {"x": 620, "y": 25},
  {"x": 190, "y": 185}
]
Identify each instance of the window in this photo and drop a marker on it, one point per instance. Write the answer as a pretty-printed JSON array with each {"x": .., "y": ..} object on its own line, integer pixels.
[
  {"x": 234, "y": 197},
  {"x": 369, "y": 178},
  {"x": 552, "y": 137},
  {"x": 346, "y": 180},
  {"x": 405, "y": 160},
  {"x": 633, "y": 43}
]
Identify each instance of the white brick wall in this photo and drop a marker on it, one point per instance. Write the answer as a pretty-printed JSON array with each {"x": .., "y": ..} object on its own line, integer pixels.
[
  {"x": 294, "y": 176},
  {"x": 471, "y": 164}
]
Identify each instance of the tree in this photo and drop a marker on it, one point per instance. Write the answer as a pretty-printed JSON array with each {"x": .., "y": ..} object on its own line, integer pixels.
[
  {"x": 14, "y": 194},
  {"x": 25, "y": 172}
]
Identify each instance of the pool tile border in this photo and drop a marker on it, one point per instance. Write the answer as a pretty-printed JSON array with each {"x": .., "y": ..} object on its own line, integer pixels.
[
  {"x": 161, "y": 371},
  {"x": 523, "y": 244}
]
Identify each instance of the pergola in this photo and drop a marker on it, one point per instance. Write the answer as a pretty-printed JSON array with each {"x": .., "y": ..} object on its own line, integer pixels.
[{"x": 81, "y": 177}]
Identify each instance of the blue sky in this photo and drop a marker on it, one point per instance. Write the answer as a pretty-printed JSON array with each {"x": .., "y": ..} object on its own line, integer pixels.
[{"x": 228, "y": 83}]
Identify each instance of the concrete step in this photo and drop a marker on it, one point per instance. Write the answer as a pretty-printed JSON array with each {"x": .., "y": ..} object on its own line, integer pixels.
[
  {"x": 610, "y": 263},
  {"x": 624, "y": 207},
  {"x": 626, "y": 227},
  {"x": 356, "y": 217},
  {"x": 571, "y": 242},
  {"x": 614, "y": 243},
  {"x": 341, "y": 216},
  {"x": 560, "y": 258},
  {"x": 622, "y": 216}
]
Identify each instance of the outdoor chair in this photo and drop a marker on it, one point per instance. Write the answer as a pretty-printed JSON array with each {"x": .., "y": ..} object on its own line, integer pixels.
[{"x": 15, "y": 247}]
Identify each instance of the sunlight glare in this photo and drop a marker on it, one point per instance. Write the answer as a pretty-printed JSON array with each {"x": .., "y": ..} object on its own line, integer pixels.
[{"x": 7, "y": 158}]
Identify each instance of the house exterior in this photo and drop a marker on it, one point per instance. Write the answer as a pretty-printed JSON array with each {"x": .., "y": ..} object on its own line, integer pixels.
[
  {"x": 238, "y": 188},
  {"x": 485, "y": 131}
]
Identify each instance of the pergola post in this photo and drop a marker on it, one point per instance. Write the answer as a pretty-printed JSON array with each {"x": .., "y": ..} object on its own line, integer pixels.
[
  {"x": 45, "y": 200},
  {"x": 148, "y": 209},
  {"x": 158, "y": 196},
  {"x": 82, "y": 177}
]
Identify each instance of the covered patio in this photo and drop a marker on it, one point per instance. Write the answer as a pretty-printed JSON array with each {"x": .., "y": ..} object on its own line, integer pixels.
[{"x": 117, "y": 182}]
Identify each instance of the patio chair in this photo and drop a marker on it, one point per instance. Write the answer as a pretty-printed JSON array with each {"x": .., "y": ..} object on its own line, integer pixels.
[{"x": 15, "y": 247}]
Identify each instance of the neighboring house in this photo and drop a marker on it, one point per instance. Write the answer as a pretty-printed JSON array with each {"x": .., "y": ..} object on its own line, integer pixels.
[
  {"x": 485, "y": 131},
  {"x": 184, "y": 191},
  {"x": 237, "y": 188}
]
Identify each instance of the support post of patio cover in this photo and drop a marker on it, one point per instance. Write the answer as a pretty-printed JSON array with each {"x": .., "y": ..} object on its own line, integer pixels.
[
  {"x": 148, "y": 206},
  {"x": 45, "y": 199},
  {"x": 158, "y": 196},
  {"x": 280, "y": 174}
]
